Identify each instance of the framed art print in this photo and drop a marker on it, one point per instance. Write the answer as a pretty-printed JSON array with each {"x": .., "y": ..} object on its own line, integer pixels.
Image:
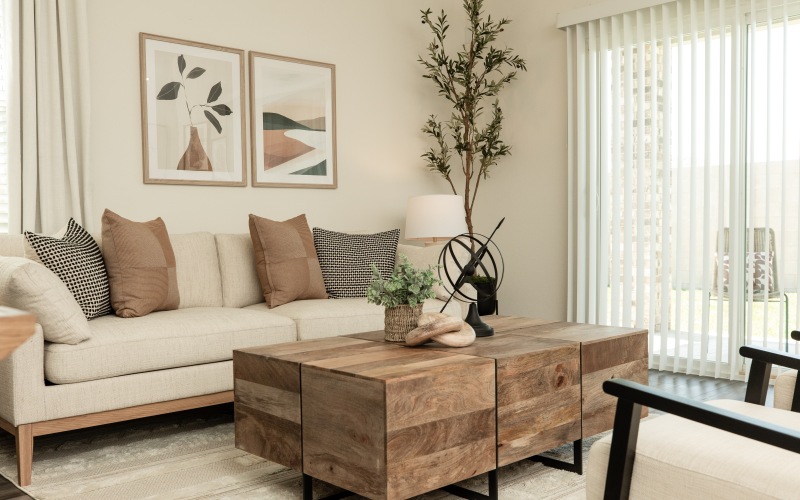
[
  {"x": 192, "y": 112},
  {"x": 293, "y": 122}
]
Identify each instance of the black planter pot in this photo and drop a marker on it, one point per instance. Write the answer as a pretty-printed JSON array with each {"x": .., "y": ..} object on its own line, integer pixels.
[{"x": 487, "y": 297}]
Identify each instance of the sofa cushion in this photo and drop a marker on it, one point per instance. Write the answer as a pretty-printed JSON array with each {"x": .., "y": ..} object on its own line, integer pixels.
[
  {"x": 784, "y": 389},
  {"x": 31, "y": 287},
  {"x": 240, "y": 287},
  {"x": 141, "y": 266},
  {"x": 12, "y": 245},
  {"x": 286, "y": 260},
  {"x": 678, "y": 458},
  {"x": 76, "y": 259},
  {"x": 167, "y": 339},
  {"x": 346, "y": 259},
  {"x": 319, "y": 318},
  {"x": 197, "y": 267}
]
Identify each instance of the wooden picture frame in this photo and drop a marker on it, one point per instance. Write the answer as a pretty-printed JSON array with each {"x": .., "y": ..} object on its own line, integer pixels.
[
  {"x": 292, "y": 122},
  {"x": 193, "y": 123}
]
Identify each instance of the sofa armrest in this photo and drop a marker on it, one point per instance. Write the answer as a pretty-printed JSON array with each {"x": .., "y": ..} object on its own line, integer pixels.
[
  {"x": 760, "y": 368},
  {"x": 22, "y": 382},
  {"x": 632, "y": 396}
]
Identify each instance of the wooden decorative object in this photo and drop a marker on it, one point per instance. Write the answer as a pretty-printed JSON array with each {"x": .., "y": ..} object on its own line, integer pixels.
[
  {"x": 15, "y": 328},
  {"x": 430, "y": 329},
  {"x": 464, "y": 337}
]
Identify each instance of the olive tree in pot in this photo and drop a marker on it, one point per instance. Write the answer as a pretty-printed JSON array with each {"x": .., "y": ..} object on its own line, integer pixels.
[
  {"x": 402, "y": 294},
  {"x": 475, "y": 73}
]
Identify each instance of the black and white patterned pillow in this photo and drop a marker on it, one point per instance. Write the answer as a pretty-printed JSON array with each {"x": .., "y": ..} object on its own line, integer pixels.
[
  {"x": 345, "y": 259},
  {"x": 78, "y": 261}
]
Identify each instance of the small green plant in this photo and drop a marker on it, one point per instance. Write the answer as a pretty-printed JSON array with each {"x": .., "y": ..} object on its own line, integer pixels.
[
  {"x": 406, "y": 285},
  {"x": 480, "y": 279}
]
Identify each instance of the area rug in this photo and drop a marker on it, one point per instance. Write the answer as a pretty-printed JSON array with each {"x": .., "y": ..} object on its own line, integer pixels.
[{"x": 192, "y": 456}]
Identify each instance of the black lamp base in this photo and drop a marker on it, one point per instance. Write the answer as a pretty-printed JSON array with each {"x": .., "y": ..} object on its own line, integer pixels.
[{"x": 473, "y": 319}]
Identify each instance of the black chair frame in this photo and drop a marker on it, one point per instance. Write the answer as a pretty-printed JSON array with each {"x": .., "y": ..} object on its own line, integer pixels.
[{"x": 632, "y": 396}]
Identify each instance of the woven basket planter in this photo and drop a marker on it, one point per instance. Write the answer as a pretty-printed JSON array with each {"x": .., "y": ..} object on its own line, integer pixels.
[{"x": 400, "y": 320}]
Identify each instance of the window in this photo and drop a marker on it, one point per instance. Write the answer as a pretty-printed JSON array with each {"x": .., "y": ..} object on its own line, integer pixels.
[{"x": 685, "y": 142}]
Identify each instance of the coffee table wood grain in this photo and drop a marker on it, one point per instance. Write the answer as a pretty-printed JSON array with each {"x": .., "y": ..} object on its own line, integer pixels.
[
  {"x": 387, "y": 421},
  {"x": 15, "y": 328},
  {"x": 538, "y": 390},
  {"x": 380, "y": 420},
  {"x": 606, "y": 352}
]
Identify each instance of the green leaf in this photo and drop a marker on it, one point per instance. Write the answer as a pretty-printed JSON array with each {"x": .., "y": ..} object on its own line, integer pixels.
[
  {"x": 215, "y": 92},
  {"x": 213, "y": 120},
  {"x": 222, "y": 109},
  {"x": 181, "y": 63},
  {"x": 195, "y": 72},
  {"x": 169, "y": 91}
]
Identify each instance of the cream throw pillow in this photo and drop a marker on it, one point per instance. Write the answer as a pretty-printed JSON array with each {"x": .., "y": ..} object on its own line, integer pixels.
[
  {"x": 31, "y": 287},
  {"x": 140, "y": 265}
]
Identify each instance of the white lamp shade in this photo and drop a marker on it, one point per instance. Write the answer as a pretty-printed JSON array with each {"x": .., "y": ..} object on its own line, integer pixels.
[{"x": 435, "y": 216}]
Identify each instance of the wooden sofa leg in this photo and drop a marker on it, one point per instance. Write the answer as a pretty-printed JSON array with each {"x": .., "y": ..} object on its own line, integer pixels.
[{"x": 24, "y": 440}]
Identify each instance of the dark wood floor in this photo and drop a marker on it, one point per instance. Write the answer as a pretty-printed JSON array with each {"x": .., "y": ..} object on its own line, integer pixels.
[{"x": 691, "y": 386}]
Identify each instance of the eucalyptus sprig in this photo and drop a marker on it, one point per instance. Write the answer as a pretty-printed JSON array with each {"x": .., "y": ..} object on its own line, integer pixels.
[
  {"x": 406, "y": 285},
  {"x": 478, "y": 71}
]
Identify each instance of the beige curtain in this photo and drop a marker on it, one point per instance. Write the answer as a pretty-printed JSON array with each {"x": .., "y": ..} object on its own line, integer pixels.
[{"x": 49, "y": 115}]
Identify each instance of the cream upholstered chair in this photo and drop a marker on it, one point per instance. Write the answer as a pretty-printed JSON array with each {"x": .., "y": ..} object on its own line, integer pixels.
[
  {"x": 787, "y": 390},
  {"x": 721, "y": 449}
]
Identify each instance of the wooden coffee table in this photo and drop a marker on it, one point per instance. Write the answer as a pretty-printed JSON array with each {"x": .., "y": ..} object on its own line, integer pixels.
[{"x": 388, "y": 421}]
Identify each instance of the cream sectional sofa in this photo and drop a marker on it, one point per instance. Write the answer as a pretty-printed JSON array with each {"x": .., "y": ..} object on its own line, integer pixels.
[{"x": 169, "y": 360}]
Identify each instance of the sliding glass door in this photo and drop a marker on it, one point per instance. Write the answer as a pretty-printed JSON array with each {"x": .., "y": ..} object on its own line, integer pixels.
[{"x": 685, "y": 134}]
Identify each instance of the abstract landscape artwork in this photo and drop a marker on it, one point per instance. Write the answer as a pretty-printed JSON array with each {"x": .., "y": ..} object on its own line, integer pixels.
[
  {"x": 192, "y": 112},
  {"x": 292, "y": 112}
]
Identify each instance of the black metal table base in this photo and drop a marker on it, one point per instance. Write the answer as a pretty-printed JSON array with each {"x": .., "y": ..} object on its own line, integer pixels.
[
  {"x": 474, "y": 495},
  {"x": 576, "y": 466},
  {"x": 308, "y": 490}
]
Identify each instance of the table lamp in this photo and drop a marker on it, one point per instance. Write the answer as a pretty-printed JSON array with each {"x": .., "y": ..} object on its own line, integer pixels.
[{"x": 435, "y": 217}]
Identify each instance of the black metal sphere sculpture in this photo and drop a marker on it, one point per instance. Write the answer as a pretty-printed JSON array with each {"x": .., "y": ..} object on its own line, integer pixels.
[{"x": 484, "y": 259}]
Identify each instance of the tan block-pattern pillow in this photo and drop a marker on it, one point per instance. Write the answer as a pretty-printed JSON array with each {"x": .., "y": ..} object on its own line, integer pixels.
[
  {"x": 286, "y": 260},
  {"x": 140, "y": 265}
]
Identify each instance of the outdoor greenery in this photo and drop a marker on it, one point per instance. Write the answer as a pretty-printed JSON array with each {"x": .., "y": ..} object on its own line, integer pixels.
[
  {"x": 475, "y": 73},
  {"x": 406, "y": 285}
]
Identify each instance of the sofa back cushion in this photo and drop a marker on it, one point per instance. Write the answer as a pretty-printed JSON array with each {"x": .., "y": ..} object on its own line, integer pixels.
[
  {"x": 197, "y": 267},
  {"x": 240, "y": 286},
  {"x": 12, "y": 245}
]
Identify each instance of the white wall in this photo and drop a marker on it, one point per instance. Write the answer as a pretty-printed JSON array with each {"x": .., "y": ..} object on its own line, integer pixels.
[{"x": 381, "y": 102}]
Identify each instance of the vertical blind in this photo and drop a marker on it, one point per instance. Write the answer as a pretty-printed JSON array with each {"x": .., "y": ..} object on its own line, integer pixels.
[
  {"x": 684, "y": 158},
  {"x": 5, "y": 70}
]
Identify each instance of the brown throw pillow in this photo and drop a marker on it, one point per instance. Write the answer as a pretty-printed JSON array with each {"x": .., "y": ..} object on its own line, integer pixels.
[
  {"x": 286, "y": 260},
  {"x": 140, "y": 264}
]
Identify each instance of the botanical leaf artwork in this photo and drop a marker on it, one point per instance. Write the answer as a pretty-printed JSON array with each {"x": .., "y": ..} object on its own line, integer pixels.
[{"x": 195, "y": 157}]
